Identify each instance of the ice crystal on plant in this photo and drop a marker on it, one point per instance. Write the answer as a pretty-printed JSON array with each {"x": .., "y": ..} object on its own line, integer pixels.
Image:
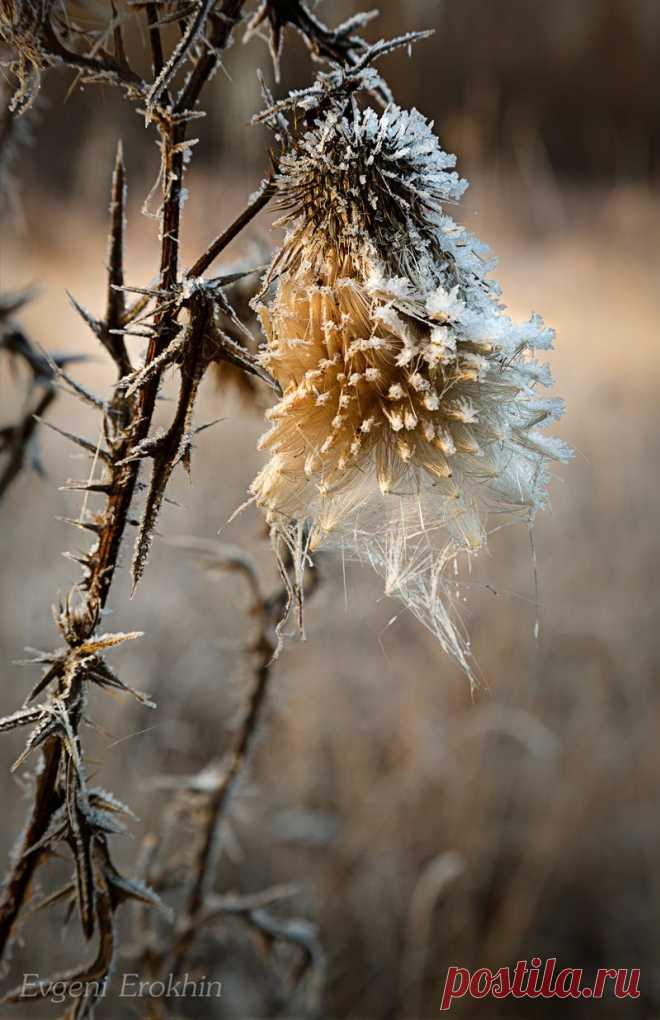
[{"x": 410, "y": 409}]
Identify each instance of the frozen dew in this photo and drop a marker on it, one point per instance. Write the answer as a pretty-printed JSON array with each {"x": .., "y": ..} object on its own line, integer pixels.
[{"x": 410, "y": 408}]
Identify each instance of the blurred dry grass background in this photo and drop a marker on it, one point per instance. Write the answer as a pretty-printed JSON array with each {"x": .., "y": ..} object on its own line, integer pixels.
[{"x": 424, "y": 830}]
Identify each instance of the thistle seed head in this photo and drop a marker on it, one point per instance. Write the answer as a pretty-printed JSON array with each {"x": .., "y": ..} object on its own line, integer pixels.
[
  {"x": 409, "y": 408},
  {"x": 370, "y": 186}
]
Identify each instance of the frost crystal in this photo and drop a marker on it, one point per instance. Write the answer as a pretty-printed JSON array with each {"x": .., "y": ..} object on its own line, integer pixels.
[{"x": 410, "y": 410}]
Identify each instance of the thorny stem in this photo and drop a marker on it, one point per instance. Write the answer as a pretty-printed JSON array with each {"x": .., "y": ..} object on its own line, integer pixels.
[
  {"x": 173, "y": 135},
  {"x": 102, "y": 566},
  {"x": 155, "y": 39},
  {"x": 127, "y": 423},
  {"x": 47, "y": 798},
  {"x": 204, "y": 865},
  {"x": 267, "y": 613},
  {"x": 104, "y": 561},
  {"x": 222, "y": 25},
  {"x": 105, "y": 65},
  {"x": 46, "y": 802}
]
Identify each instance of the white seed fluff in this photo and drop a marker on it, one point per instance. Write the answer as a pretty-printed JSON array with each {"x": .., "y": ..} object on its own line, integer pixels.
[{"x": 410, "y": 410}]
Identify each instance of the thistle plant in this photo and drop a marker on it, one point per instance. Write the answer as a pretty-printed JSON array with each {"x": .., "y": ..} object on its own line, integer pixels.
[
  {"x": 406, "y": 407},
  {"x": 410, "y": 408}
]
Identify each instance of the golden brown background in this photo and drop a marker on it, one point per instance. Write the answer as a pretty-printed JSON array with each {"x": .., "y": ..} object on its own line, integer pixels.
[{"x": 376, "y": 763}]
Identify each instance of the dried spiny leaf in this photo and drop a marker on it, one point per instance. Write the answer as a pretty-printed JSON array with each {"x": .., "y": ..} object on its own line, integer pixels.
[
  {"x": 94, "y": 974},
  {"x": 340, "y": 46},
  {"x": 57, "y": 828},
  {"x": 100, "y": 673},
  {"x": 103, "y": 641},
  {"x": 79, "y": 836},
  {"x": 46, "y": 726},
  {"x": 125, "y": 890},
  {"x": 174, "y": 446},
  {"x": 115, "y": 301},
  {"x": 23, "y": 717}
]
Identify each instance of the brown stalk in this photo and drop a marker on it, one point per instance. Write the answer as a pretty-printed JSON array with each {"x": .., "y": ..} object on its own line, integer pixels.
[
  {"x": 127, "y": 424},
  {"x": 216, "y": 787},
  {"x": 64, "y": 808},
  {"x": 204, "y": 867},
  {"x": 233, "y": 230},
  {"x": 100, "y": 570}
]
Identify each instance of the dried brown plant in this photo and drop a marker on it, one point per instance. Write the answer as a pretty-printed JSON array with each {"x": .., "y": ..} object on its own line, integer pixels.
[
  {"x": 189, "y": 324},
  {"x": 403, "y": 391},
  {"x": 201, "y": 804}
]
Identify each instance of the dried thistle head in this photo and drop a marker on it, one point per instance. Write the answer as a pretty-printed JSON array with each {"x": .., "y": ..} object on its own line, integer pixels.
[{"x": 409, "y": 407}]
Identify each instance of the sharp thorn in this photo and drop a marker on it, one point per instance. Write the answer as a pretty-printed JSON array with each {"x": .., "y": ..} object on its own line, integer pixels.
[
  {"x": 84, "y": 525},
  {"x": 94, "y": 451}
]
